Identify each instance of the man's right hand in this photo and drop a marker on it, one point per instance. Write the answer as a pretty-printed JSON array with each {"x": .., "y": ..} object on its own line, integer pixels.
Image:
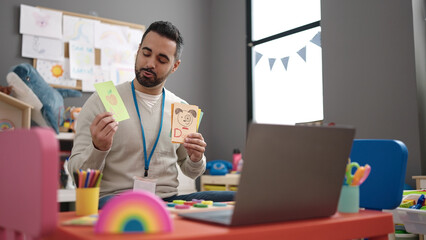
[{"x": 103, "y": 129}]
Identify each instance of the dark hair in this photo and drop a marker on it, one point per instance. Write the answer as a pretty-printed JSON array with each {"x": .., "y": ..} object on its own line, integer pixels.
[{"x": 168, "y": 30}]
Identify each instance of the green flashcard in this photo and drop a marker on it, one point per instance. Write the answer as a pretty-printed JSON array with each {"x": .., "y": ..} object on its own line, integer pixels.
[{"x": 112, "y": 100}]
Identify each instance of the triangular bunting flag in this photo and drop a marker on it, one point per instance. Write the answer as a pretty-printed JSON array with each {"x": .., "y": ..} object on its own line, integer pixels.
[
  {"x": 258, "y": 57},
  {"x": 302, "y": 53},
  {"x": 317, "y": 39},
  {"x": 271, "y": 63},
  {"x": 284, "y": 60}
]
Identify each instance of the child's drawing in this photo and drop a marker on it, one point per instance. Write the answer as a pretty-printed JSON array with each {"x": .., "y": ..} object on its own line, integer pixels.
[
  {"x": 40, "y": 22},
  {"x": 42, "y": 48},
  {"x": 110, "y": 35},
  {"x": 117, "y": 55},
  {"x": 79, "y": 30},
  {"x": 100, "y": 75},
  {"x": 56, "y": 72},
  {"x": 82, "y": 60},
  {"x": 134, "y": 37},
  {"x": 36, "y": 46},
  {"x": 121, "y": 73}
]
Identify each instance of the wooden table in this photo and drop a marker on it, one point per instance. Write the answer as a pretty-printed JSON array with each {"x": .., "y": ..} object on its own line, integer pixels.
[{"x": 372, "y": 224}]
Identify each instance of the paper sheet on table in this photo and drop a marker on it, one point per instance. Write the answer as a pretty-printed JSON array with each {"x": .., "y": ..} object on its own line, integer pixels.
[
  {"x": 112, "y": 100},
  {"x": 89, "y": 220}
]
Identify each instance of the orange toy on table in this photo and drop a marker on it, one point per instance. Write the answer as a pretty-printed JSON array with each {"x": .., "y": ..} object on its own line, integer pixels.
[{"x": 75, "y": 111}]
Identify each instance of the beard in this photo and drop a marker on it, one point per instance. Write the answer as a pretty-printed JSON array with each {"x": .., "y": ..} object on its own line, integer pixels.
[
  {"x": 146, "y": 81},
  {"x": 149, "y": 82}
]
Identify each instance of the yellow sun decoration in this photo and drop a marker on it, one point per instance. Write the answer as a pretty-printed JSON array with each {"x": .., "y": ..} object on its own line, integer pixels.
[{"x": 57, "y": 71}]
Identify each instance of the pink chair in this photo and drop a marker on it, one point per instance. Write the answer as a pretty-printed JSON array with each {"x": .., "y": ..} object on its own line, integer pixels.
[{"x": 29, "y": 172}]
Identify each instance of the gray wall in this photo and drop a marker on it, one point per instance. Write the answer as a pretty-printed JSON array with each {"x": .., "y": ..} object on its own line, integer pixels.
[
  {"x": 228, "y": 78},
  {"x": 419, "y": 22},
  {"x": 212, "y": 74},
  {"x": 369, "y": 71}
]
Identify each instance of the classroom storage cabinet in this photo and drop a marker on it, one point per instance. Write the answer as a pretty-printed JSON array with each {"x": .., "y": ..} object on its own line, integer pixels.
[
  {"x": 228, "y": 182},
  {"x": 14, "y": 113}
]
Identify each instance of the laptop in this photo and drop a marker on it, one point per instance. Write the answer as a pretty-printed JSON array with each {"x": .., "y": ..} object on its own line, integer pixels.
[{"x": 289, "y": 173}]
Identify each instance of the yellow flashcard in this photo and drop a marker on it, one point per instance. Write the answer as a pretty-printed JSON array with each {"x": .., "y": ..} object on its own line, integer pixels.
[
  {"x": 200, "y": 113},
  {"x": 112, "y": 100}
]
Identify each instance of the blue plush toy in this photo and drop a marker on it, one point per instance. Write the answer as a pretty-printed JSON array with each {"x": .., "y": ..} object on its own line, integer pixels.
[{"x": 51, "y": 98}]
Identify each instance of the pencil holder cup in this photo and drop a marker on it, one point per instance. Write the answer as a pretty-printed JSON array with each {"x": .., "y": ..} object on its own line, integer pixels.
[
  {"x": 349, "y": 199},
  {"x": 87, "y": 201}
]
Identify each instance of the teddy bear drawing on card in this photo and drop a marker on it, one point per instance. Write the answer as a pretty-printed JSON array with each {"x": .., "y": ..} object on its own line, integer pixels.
[{"x": 52, "y": 99}]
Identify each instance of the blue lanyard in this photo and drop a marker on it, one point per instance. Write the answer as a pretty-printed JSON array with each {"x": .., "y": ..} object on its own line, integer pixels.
[{"x": 148, "y": 159}]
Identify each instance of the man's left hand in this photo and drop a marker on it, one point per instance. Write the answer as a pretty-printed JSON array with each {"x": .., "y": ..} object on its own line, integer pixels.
[{"x": 195, "y": 146}]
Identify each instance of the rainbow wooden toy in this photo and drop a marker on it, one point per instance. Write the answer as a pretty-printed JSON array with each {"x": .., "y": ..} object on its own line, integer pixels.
[{"x": 133, "y": 212}]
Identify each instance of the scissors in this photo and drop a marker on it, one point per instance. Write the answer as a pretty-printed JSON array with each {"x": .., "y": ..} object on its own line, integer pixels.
[
  {"x": 360, "y": 175},
  {"x": 349, "y": 175},
  {"x": 363, "y": 176}
]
